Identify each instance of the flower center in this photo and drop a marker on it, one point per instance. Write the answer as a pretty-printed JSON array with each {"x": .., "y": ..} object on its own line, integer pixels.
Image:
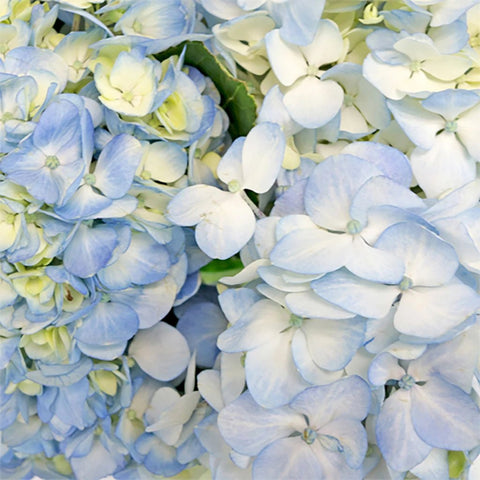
[
  {"x": 415, "y": 66},
  {"x": 451, "y": 126},
  {"x": 354, "y": 227},
  {"x": 234, "y": 186},
  {"x": 90, "y": 179},
  {"x": 405, "y": 284},
  {"x": 52, "y": 162},
  {"x": 309, "y": 436},
  {"x": 296, "y": 321},
  {"x": 406, "y": 382}
]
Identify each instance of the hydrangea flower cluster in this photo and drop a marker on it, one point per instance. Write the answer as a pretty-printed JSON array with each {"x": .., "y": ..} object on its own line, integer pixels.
[{"x": 240, "y": 239}]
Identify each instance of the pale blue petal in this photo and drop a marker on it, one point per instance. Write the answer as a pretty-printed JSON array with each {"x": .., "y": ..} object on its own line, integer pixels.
[
  {"x": 450, "y": 104},
  {"x": 379, "y": 191},
  {"x": 397, "y": 439},
  {"x": 98, "y": 463},
  {"x": 60, "y": 375},
  {"x": 151, "y": 303},
  {"x": 160, "y": 351},
  {"x": 89, "y": 250},
  {"x": 393, "y": 163},
  {"x": 232, "y": 376},
  {"x": 299, "y": 19},
  {"x": 352, "y": 437},
  {"x": 248, "y": 428},
  {"x": 58, "y": 128},
  {"x": 383, "y": 368},
  {"x": 7, "y": 347},
  {"x": 454, "y": 360},
  {"x": 428, "y": 260},
  {"x": 201, "y": 325},
  {"x": 272, "y": 377},
  {"x": 332, "y": 343},
  {"x": 102, "y": 352},
  {"x": 312, "y": 251},
  {"x": 291, "y": 202},
  {"x": 159, "y": 458},
  {"x": 108, "y": 323},
  {"x": 117, "y": 164},
  {"x": 468, "y": 131},
  {"x": 308, "y": 304},
  {"x": 347, "y": 397},
  {"x": 436, "y": 174},
  {"x": 70, "y": 403},
  {"x": 83, "y": 203},
  {"x": 287, "y": 458},
  {"x": 374, "y": 264},
  {"x": 356, "y": 295},
  {"x": 419, "y": 125},
  {"x": 444, "y": 416},
  {"x": 309, "y": 370},
  {"x": 262, "y": 323},
  {"x": 145, "y": 261},
  {"x": 235, "y": 302},
  {"x": 332, "y": 187}
]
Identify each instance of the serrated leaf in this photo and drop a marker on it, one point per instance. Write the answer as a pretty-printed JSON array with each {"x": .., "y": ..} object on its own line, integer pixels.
[{"x": 236, "y": 101}]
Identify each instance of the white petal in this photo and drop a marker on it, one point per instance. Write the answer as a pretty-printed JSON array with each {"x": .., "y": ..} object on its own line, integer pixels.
[
  {"x": 428, "y": 260},
  {"x": 312, "y": 102},
  {"x": 396, "y": 436},
  {"x": 431, "y": 312},
  {"x": 227, "y": 228},
  {"x": 230, "y": 166},
  {"x": 356, "y": 295},
  {"x": 374, "y": 264},
  {"x": 262, "y": 156},
  {"x": 160, "y": 351},
  {"x": 445, "y": 416},
  {"x": 308, "y": 304},
  {"x": 262, "y": 322},
  {"x": 326, "y": 47},
  {"x": 332, "y": 343},
  {"x": 419, "y": 125},
  {"x": 312, "y": 251},
  {"x": 286, "y": 59},
  {"x": 443, "y": 168},
  {"x": 309, "y": 370},
  {"x": 248, "y": 427},
  {"x": 194, "y": 203},
  {"x": 468, "y": 131},
  {"x": 272, "y": 377},
  {"x": 331, "y": 188},
  {"x": 288, "y": 458}
]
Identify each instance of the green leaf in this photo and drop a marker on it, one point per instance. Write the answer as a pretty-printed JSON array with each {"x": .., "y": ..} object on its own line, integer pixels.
[
  {"x": 216, "y": 269},
  {"x": 239, "y": 105}
]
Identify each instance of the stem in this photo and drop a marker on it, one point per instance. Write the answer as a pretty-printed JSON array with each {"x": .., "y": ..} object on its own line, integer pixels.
[
  {"x": 258, "y": 213},
  {"x": 77, "y": 19}
]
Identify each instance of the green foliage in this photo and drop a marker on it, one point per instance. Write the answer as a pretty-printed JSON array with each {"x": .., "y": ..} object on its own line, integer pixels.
[
  {"x": 236, "y": 100},
  {"x": 217, "y": 269}
]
